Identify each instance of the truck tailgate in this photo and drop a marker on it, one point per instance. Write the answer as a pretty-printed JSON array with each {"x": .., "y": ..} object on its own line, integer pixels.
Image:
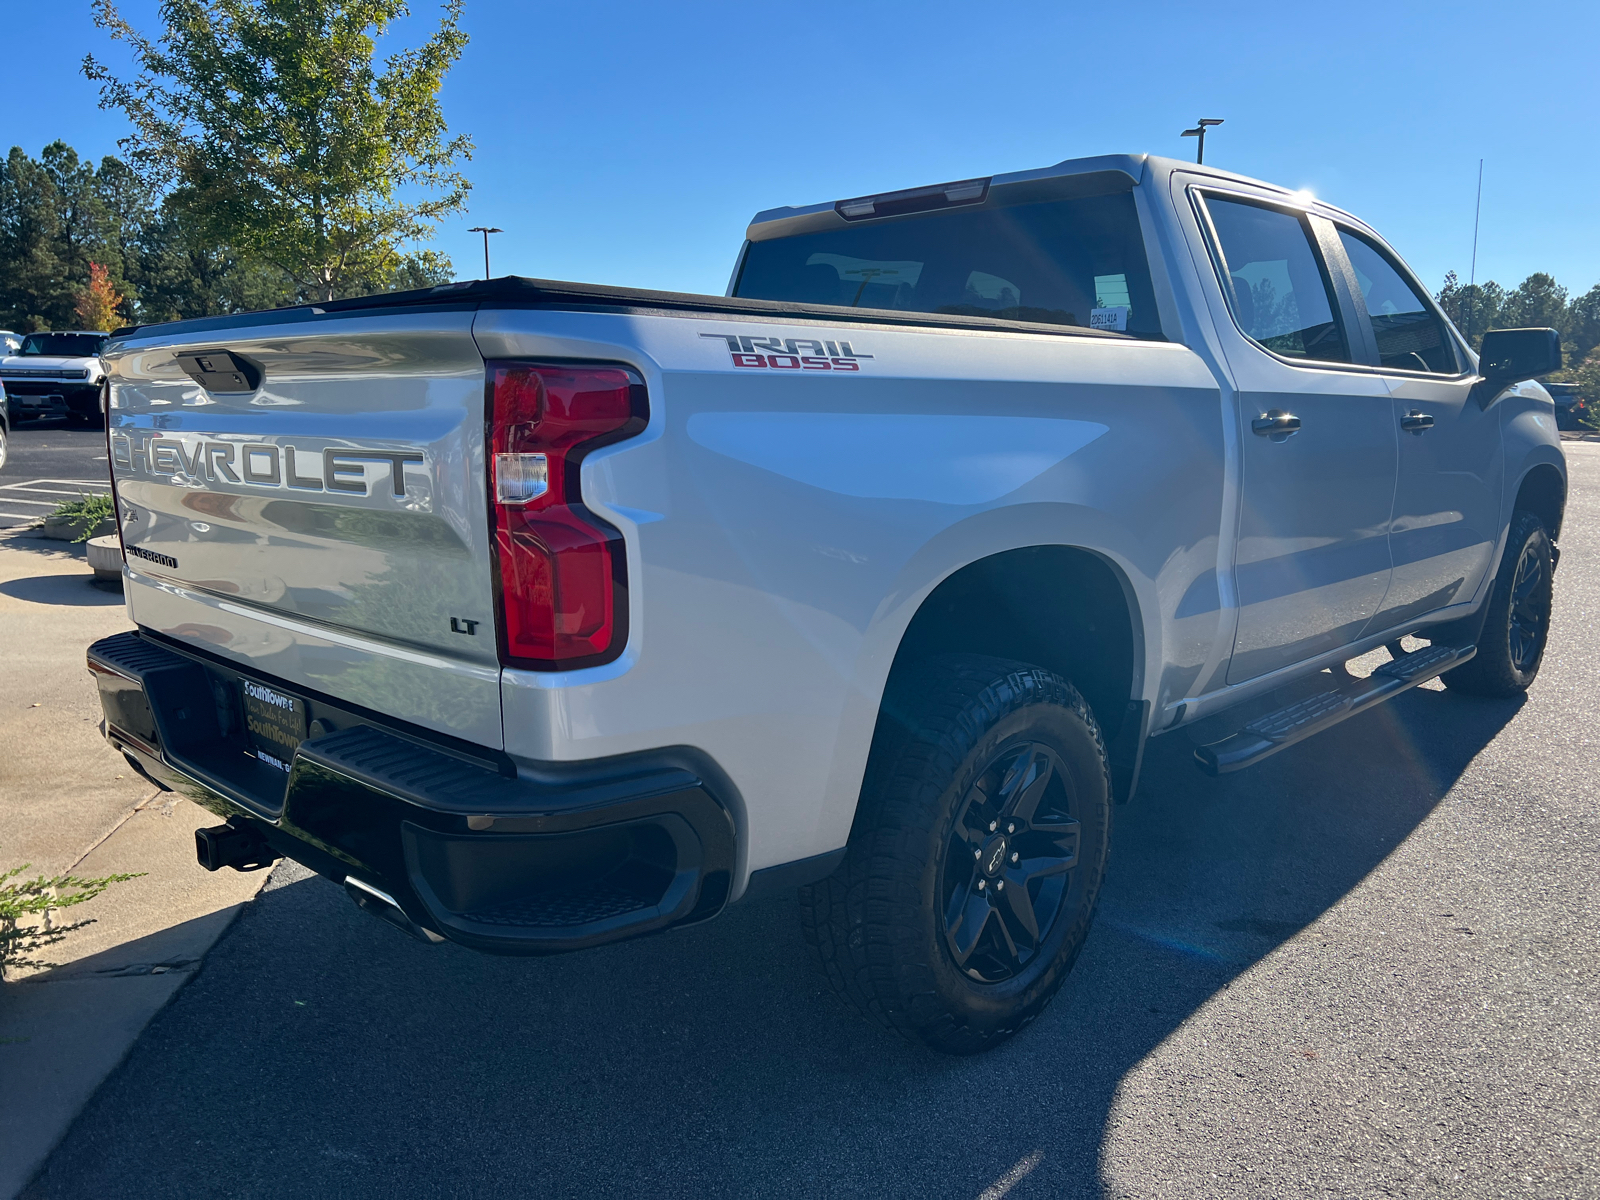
[{"x": 305, "y": 496}]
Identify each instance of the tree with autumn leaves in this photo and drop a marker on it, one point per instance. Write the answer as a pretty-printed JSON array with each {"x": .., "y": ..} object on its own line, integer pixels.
[{"x": 98, "y": 302}]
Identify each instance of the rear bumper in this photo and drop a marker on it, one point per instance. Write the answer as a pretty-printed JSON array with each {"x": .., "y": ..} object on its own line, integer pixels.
[
  {"x": 596, "y": 852},
  {"x": 39, "y": 398}
]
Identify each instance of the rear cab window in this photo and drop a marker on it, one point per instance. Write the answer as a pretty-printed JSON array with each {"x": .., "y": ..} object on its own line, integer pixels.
[
  {"x": 1275, "y": 282},
  {"x": 1072, "y": 262}
]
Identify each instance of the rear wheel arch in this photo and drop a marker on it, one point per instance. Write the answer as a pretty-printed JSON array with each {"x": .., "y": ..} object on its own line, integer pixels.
[{"x": 1069, "y": 610}]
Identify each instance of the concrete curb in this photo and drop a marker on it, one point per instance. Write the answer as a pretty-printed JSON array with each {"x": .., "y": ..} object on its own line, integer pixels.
[{"x": 66, "y": 531}]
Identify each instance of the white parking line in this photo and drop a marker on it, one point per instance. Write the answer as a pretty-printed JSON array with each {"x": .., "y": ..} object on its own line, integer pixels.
[
  {"x": 68, "y": 482},
  {"x": 22, "y": 495},
  {"x": 33, "y": 491},
  {"x": 94, "y": 489}
]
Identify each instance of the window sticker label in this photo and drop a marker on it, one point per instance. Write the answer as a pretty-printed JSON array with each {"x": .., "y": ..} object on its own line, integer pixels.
[
  {"x": 789, "y": 354},
  {"x": 1115, "y": 318}
]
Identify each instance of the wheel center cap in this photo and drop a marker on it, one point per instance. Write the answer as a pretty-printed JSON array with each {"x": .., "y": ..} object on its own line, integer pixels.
[{"x": 993, "y": 858}]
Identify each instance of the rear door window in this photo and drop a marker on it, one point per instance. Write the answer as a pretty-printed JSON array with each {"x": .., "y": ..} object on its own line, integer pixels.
[
  {"x": 1273, "y": 276},
  {"x": 1060, "y": 262},
  {"x": 1410, "y": 334}
]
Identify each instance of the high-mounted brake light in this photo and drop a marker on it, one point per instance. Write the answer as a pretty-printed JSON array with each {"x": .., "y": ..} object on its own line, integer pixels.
[{"x": 563, "y": 576}]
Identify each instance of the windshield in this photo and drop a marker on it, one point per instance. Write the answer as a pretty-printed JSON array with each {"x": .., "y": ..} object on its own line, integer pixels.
[
  {"x": 63, "y": 345},
  {"x": 1061, "y": 262}
]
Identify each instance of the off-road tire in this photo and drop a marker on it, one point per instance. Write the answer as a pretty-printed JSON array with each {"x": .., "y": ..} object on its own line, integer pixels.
[
  {"x": 1497, "y": 669},
  {"x": 876, "y": 924}
]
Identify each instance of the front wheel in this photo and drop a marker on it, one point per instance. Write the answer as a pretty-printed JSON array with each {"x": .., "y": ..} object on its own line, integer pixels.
[
  {"x": 976, "y": 859},
  {"x": 1517, "y": 625}
]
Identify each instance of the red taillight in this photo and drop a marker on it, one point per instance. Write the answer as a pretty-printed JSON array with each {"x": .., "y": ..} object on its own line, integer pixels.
[{"x": 563, "y": 600}]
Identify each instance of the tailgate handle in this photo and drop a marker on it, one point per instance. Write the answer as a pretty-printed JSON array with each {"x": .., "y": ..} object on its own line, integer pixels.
[{"x": 221, "y": 371}]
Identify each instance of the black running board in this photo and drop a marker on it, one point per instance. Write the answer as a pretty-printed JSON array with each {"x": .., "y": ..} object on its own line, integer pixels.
[{"x": 1276, "y": 731}]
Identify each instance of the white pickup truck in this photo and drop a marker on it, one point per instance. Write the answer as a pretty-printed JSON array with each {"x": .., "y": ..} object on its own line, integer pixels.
[
  {"x": 56, "y": 375},
  {"x": 542, "y": 615}
]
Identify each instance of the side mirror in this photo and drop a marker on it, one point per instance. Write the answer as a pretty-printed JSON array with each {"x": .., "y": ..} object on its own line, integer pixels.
[{"x": 1512, "y": 355}]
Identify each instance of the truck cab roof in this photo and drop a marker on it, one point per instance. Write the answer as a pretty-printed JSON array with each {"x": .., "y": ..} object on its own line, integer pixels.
[{"x": 1073, "y": 176}]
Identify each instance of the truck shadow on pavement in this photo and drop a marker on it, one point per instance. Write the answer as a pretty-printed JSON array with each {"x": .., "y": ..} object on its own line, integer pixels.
[
  {"x": 76, "y": 589},
  {"x": 320, "y": 1053}
]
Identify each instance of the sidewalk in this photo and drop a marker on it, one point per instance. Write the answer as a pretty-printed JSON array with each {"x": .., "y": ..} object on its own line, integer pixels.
[{"x": 68, "y": 802}]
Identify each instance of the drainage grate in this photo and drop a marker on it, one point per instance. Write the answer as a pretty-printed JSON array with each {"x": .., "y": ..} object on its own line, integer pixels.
[{"x": 558, "y": 910}]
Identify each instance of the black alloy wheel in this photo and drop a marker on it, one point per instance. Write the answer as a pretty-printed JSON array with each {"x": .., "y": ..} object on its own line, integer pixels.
[
  {"x": 976, "y": 857},
  {"x": 1516, "y": 625},
  {"x": 1530, "y": 608},
  {"x": 1007, "y": 868}
]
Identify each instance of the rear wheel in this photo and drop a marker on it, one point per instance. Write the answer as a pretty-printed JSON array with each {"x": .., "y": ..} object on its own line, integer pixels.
[
  {"x": 2, "y": 447},
  {"x": 1517, "y": 625},
  {"x": 976, "y": 859}
]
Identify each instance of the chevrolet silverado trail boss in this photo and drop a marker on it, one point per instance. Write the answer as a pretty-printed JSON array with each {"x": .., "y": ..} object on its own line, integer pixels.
[{"x": 542, "y": 615}]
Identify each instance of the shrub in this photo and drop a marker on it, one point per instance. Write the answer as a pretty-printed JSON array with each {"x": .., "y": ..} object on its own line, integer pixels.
[
  {"x": 85, "y": 513},
  {"x": 21, "y": 899}
]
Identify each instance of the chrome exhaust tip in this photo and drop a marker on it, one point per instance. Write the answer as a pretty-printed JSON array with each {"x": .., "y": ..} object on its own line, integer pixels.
[{"x": 385, "y": 907}]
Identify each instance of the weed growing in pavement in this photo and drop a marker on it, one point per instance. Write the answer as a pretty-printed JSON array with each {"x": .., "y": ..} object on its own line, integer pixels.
[{"x": 39, "y": 897}]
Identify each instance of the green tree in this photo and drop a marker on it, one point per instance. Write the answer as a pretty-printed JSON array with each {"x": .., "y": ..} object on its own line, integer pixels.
[
  {"x": 1475, "y": 308},
  {"x": 129, "y": 207},
  {"x": 35, "y": 287},
  {"x": 81, "y": 221},
  {"x": 281, "y": 139},
  {"x": 1537, "y": 301},
  {"x": 1582, "y": 334}
]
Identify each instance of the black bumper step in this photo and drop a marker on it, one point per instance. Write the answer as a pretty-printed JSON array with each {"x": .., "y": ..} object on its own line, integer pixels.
[
  {"x": 557, "y": 857},
  {"x": 1265, "y": 736}
]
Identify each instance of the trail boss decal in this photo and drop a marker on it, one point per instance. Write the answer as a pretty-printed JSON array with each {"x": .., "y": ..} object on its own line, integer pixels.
[{"x": 789, "y": 354}]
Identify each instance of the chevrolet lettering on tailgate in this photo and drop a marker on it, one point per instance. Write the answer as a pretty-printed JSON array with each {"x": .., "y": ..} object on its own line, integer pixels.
[{"x": 261, "y": 464}]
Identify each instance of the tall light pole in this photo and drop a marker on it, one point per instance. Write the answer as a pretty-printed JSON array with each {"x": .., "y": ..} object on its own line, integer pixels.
[
  {"x": 486, "y": 231},
  {"x": 1199, "y": 131}
]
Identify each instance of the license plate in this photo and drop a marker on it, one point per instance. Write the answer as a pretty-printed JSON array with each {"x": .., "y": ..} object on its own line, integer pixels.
[{"x": 274, "y": 722}]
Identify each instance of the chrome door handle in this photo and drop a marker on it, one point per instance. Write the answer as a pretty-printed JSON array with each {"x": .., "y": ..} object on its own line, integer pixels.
[
  {"x": 1416, "y": 422},
  {"x": 1275, "y": 421}
]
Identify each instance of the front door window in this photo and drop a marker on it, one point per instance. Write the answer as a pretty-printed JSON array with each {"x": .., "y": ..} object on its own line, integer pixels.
[{"x": 1411, "y": 336}]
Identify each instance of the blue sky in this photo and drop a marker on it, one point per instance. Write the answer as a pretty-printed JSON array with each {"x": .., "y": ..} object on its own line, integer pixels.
[{"x": 630, "y": 143}]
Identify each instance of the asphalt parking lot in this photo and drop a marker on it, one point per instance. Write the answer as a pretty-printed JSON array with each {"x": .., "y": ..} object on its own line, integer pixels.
[
  {"x": 1367, "y": 967},
  {"x": 46, "y": 463}
]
